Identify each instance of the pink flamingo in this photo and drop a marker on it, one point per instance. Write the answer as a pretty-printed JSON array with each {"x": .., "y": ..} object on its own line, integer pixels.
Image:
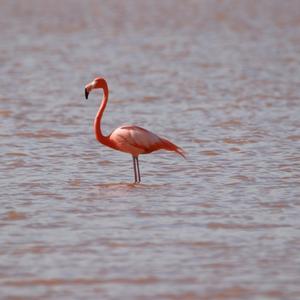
[{"x": 128, "y": 138}]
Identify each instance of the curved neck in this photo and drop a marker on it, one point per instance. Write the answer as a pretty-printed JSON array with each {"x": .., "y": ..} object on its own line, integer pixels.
[{"x": 97, "y": 123}]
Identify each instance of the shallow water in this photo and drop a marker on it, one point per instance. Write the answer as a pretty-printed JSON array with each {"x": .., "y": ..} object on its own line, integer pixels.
[{"x": 219, "y": 78}]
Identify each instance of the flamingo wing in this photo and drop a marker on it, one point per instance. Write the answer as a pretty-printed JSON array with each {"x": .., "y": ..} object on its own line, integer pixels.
[{"x": 137, "y": 140}]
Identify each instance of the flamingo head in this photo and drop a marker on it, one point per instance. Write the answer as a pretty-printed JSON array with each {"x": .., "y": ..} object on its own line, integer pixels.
[{"x": 97, "y": 83}]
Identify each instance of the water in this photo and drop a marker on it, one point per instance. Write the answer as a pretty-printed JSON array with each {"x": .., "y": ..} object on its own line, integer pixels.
[{"x": 220, "y": 79}]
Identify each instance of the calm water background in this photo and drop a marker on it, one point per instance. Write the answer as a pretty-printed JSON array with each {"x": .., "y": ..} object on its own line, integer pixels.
[{"x": 219, "y": 78}]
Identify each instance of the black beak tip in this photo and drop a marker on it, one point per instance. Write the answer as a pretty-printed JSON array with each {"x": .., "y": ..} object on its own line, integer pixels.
[{"x": 86, "y": 93}]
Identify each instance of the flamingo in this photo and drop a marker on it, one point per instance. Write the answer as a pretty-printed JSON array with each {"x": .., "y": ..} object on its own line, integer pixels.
[{"x": 128, "y": 138}]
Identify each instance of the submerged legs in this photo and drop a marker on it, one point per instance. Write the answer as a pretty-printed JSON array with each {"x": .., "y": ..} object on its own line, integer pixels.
[{"x": 136, "y": 168}]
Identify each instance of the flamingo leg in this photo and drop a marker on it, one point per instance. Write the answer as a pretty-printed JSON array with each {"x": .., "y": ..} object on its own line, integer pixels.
[
  {"x": 134, "y": 169},
  {"x": 138, "y": 169}
]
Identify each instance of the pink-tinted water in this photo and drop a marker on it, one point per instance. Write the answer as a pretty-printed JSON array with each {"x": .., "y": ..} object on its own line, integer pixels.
[{"x": 221, "y": 79}]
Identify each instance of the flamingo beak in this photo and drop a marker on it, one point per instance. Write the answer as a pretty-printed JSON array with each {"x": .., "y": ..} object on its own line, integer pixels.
[{"x": 86, "y": 93}]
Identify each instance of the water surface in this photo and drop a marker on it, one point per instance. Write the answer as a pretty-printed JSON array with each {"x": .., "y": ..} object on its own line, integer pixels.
[{"x": 219, "y": 78}]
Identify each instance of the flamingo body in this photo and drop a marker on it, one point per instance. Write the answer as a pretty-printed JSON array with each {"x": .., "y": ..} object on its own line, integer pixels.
[
  {"x": 136, "y": 140},
  {"x": 128, "y": 138}
]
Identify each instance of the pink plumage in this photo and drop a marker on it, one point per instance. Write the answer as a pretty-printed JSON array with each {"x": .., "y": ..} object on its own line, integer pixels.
[{"x": 128, "y": 138}]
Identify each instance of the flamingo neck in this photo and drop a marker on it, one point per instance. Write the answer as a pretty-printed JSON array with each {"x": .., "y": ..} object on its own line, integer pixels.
[{"x": 97, "y": 123}]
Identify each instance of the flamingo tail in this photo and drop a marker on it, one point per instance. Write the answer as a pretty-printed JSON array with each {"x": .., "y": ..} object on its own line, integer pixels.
[{"x": 167, "y": 145}]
